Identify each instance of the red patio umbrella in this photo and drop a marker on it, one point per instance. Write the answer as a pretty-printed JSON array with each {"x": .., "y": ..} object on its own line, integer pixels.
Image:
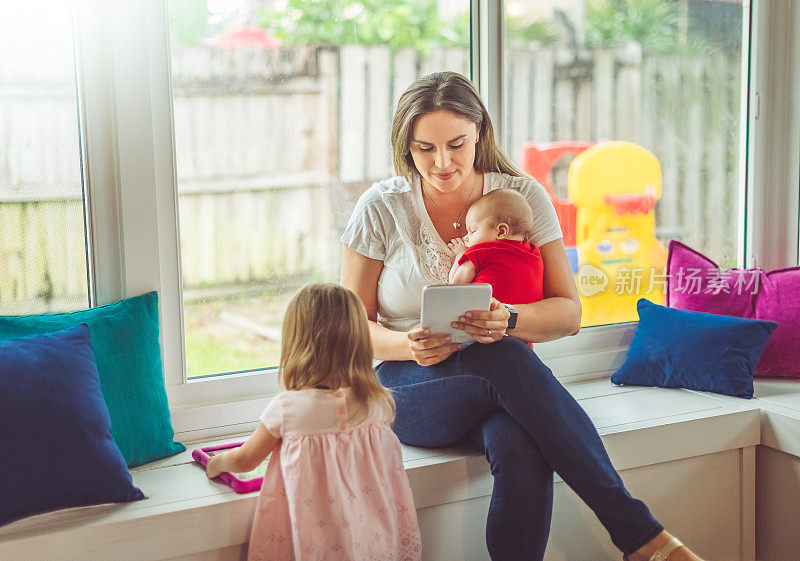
[{"x": 245, "y": 36}]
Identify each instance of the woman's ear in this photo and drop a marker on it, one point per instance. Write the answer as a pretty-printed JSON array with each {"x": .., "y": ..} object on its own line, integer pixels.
[{"x": 502, "y": 231}]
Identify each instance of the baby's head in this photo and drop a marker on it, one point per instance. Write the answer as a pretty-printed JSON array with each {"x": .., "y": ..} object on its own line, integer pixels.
[
  {"x": 503, "y": 214},
  {"x": 325, "y": 343}
]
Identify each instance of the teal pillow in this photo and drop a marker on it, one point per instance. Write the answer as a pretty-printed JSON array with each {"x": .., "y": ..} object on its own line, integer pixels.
[{"x": 124, "y": 336}]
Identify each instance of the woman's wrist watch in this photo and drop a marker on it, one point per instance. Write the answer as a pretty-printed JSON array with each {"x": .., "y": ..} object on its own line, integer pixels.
[{"x": 512, "y": 318}]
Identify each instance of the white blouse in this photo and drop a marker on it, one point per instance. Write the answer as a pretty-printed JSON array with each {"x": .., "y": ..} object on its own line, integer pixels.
[{"x": 390, "y": 224}]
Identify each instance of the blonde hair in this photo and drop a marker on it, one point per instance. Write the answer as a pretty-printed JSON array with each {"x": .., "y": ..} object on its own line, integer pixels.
[
  {"x": 508, "y": 206},
  {"x": 326, "y": 342},
  {"x": 452, "y": 92}
]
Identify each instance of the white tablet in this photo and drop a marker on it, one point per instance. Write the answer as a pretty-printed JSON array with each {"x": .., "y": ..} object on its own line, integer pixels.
[{"x": 444, "y": 303}]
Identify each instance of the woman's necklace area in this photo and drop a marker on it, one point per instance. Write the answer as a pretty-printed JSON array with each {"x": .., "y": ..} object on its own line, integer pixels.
[{"x": 457, "y": 221}]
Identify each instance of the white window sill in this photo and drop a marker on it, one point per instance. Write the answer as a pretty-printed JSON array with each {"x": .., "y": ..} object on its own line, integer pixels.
[
  {"x": 219, "y": 407},
  {"x": 779, "y": 401},
  {"x": 186, "y": 514}
]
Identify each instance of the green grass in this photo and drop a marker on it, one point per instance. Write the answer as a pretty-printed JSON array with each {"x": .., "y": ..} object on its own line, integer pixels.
[
  {"x": 236, "y": 329},
  {"x": 208, "y": 354}
]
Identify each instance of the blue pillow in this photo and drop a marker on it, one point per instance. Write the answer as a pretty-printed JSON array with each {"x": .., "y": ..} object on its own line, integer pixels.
[
  {"x": 55, "y": 440},
  {"x": 125, "y": 340},
  {"x": 694, "y": 350}
]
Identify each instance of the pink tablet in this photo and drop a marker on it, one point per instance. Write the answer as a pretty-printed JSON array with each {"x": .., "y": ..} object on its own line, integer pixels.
[{"x": 240, "y": 482}]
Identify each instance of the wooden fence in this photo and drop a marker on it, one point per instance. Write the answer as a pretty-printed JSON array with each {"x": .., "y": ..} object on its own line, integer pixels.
[{"x": 272, "y": 148}]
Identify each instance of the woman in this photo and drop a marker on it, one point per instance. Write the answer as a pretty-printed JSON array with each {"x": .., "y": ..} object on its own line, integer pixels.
[{"x": 497, "y": 392}]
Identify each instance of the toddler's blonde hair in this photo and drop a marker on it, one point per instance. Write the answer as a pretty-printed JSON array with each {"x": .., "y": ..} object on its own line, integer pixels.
[{"x": 326, "y": 342}]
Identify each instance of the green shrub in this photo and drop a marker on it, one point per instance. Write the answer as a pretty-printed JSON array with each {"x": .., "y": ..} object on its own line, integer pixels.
[
  {"x": 411, "y": 23},
  {"x": 654, "y": 24},
  {"x": 524, "y": 32},
  {"x": 188, "y": 21}
]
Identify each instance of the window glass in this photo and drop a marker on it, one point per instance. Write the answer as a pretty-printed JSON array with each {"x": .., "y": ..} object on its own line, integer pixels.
[
  {"x": 282, "y": 112},
  {"x": 661, "y": 75},
  {"x": 43, "y": 265}
]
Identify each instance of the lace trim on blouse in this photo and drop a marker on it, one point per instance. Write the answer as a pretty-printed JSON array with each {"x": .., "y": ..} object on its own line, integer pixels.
[{"x": 435, "y": 258}]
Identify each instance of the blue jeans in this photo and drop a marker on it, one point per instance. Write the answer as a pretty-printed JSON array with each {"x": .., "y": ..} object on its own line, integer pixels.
[{"x": 504, "y": 399}]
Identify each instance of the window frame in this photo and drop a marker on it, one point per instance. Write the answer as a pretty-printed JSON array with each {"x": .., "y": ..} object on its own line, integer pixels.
[
  {"x": 123, "y": 62},
  {"x": 770, "y": 237}
]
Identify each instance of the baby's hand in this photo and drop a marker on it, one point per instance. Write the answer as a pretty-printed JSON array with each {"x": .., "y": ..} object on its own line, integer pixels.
[{"x": 457, "y": 245}]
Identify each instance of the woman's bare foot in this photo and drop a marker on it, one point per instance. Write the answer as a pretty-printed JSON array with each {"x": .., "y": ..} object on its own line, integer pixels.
[{"x": 647, "y": 550}]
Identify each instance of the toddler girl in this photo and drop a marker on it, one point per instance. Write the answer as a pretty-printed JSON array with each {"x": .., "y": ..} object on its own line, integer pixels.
[{"x": 335, "y": 487}]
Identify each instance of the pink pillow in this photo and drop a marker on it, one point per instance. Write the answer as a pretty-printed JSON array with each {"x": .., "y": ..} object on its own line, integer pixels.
[{"x": 696, "y": 283}]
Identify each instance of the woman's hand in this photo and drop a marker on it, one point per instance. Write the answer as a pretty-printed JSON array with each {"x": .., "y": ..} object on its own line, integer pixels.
[
  {"x": 486, "y": 326},
  {"x": 427, "y": 349}
]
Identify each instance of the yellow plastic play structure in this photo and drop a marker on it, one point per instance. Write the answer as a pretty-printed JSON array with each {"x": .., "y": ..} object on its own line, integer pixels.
[{"x": 615, "y": 186}]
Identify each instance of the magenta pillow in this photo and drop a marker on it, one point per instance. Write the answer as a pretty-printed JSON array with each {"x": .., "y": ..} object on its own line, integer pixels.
[{"x": 696, "y": 283}]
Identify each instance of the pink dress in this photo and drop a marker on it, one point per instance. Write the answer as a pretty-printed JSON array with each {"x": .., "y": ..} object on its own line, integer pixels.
[{"x": 333, "y": 491}]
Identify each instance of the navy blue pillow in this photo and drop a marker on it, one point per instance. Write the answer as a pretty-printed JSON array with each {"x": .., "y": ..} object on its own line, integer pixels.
[
  {"x": 56, "y": 440},
  {"x": 694, "y": 350}
]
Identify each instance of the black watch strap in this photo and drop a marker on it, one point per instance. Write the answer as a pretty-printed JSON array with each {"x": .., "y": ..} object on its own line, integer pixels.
[{"x": 512, "y": 319}]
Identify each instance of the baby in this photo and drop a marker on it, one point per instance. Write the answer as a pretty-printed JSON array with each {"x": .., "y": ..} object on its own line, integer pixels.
[{"x": 496, "y": 249}]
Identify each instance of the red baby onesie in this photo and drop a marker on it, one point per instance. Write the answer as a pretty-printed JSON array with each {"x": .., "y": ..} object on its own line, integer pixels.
[{"x": 514, "y": 269}]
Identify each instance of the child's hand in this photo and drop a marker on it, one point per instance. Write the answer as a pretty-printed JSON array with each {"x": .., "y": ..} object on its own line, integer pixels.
[
  {"x": 457, "y": 245},
  {"x": 216, "y": 465},
  {"x": 245, "y": 457}
]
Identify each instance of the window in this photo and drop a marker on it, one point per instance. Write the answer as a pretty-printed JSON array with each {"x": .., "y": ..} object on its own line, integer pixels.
[
  {"x": 140, "y": 167},
  {"x": 663, "y": 75},
  {"x": 282, "y": 112},
  {"x": 43, "y": 261}
]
